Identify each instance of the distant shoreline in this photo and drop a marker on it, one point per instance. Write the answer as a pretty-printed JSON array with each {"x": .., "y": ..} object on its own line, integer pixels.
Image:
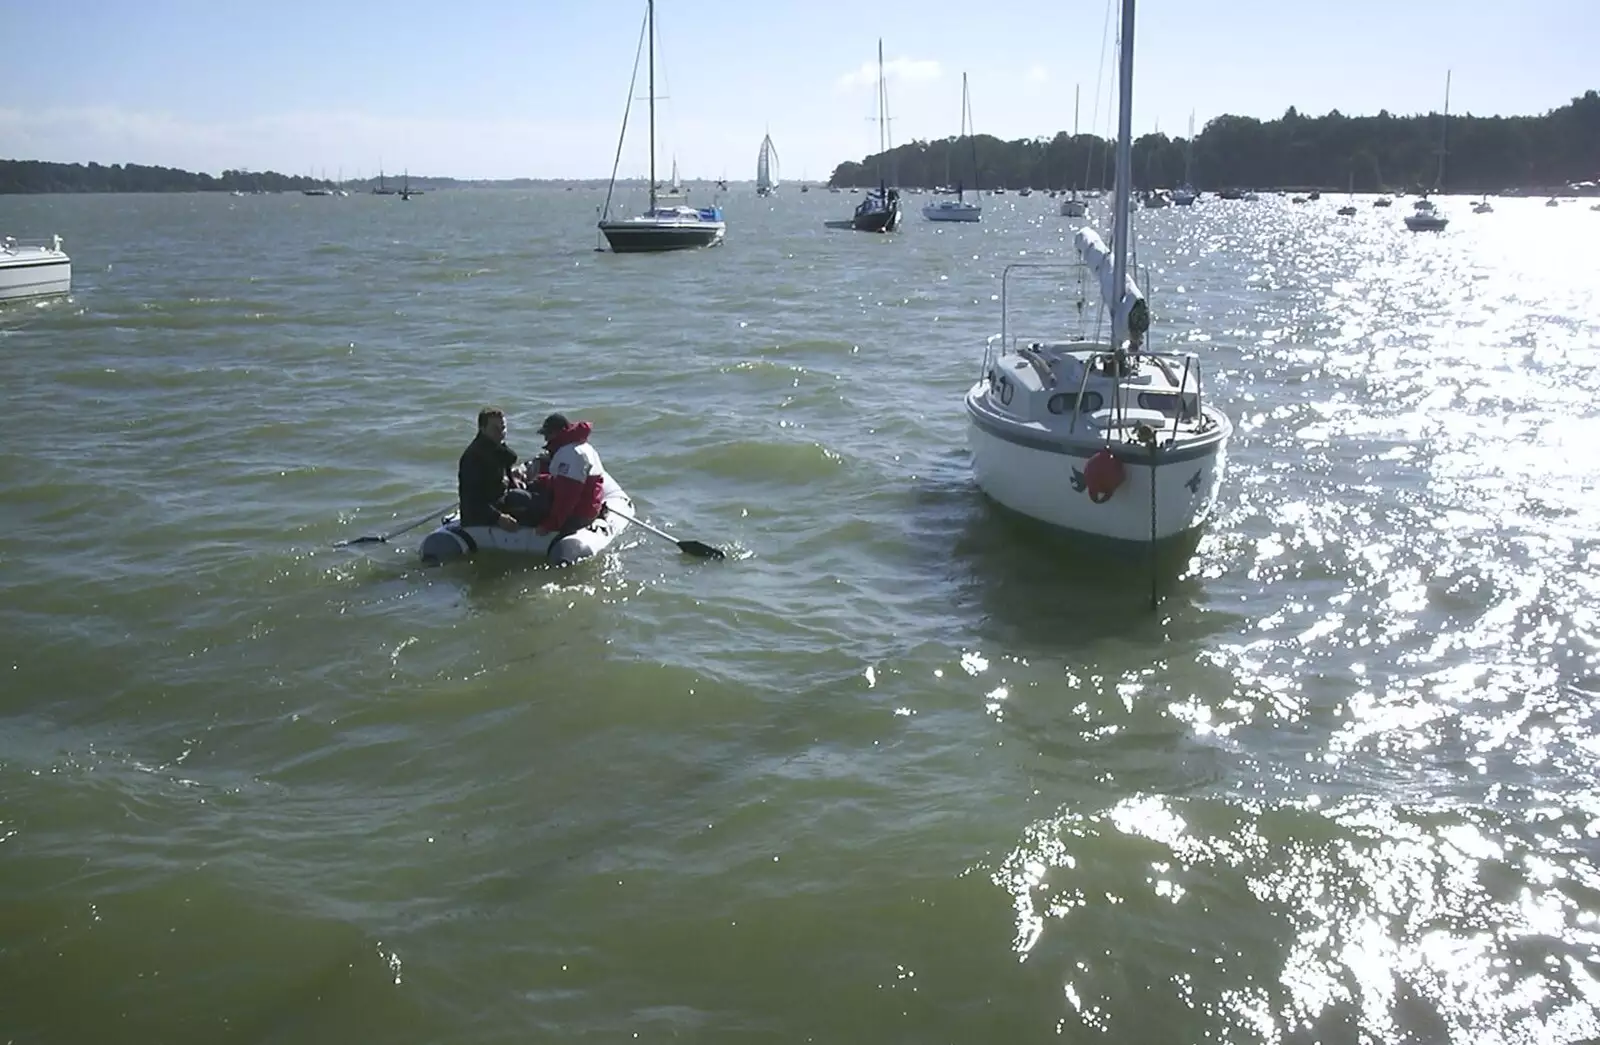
[{"x": 1576, "y": 189}]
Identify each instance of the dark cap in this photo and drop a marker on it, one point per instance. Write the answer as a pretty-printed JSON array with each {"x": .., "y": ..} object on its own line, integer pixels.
[{"x": 553, "y": 424}]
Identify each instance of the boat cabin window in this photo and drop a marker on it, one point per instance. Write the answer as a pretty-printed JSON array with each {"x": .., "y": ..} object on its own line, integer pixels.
[
  {"x": 1067, "y": 402},
  {"x": 1168, "y": 404}
]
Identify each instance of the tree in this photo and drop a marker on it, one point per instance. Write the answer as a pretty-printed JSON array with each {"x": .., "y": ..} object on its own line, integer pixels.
[{"x": 1486, "y": 154}]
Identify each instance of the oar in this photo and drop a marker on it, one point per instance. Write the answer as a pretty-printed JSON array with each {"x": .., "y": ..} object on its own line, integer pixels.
[
  {"x": 385, "y": 538},
  {"x": 704, "y": 551}
]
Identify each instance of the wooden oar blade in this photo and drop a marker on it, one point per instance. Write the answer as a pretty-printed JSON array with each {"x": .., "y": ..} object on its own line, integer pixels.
[{"x": 704, "y": 551}]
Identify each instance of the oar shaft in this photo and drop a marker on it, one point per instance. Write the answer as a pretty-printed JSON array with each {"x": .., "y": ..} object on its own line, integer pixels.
[
  {"x": 385, "y": 538},
  {"x": 699, "y": 548},
  {"x": 642, "y": 524}
]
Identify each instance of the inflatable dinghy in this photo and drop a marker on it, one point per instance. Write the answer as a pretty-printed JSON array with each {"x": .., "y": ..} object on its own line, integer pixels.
[{"x": 452, "y": 541}]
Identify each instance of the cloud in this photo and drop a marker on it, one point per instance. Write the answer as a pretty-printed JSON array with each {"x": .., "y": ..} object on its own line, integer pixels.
[
  {"x": 1038, "y": 74},
  {"x": 905, "y": 70}
]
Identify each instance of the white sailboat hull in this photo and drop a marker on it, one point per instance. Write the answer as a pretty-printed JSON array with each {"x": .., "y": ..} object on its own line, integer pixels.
[
  {"x": 1047, "y": 484},
  {"x": 953, "y": 210}
]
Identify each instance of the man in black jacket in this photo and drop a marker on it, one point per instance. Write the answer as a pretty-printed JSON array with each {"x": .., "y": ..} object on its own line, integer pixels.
[{"x": 487, "y": 485}]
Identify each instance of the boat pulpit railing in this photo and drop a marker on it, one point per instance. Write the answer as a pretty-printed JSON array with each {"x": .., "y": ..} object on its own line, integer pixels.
[
  {"x": 9, "y": 244},
  {"x": 1182, "y": 408},
  {"x": 1120, "y": 366},
  {"x": 1071, "y": 277},
  {"x": 1115, "y": 364}
]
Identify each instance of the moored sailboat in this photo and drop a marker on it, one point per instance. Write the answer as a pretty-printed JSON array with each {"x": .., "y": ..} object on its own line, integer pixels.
[
  {"x": 659, "y": 228},
  {"x": 1075, "y": 206},
  {"x": 1098, "y": 436},
  {"x": 1185, "y": 195},
  {"x": 959, "y": 209},
  {"x": 879, "y": 210},
  {"x": 1349, "y": 208},
  {"x": 1425, "y": 216}
]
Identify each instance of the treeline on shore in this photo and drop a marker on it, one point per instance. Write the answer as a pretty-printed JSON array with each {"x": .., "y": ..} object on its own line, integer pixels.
[
  {"x": 1366, "y": 153},
  {"x": 18, "y": 176}
]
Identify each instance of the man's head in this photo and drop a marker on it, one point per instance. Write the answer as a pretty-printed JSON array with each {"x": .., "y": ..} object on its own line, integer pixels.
[
  {"x": 492, "y": 423},
  {"x": 553, "y": 424}
]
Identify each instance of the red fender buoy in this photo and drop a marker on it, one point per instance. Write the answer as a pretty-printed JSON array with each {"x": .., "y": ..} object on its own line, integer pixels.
[{"x": 1102, "y": 475}]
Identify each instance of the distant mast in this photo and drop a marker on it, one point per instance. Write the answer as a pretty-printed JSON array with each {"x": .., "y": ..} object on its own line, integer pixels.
[
  {"x": 1444, "y": 131},
  {"x": 883, "y": 123},
  {"x": 650, "y": 19}
]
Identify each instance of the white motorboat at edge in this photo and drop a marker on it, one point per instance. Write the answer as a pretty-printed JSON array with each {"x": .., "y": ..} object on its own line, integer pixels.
[{"x": 31, "y": 269}]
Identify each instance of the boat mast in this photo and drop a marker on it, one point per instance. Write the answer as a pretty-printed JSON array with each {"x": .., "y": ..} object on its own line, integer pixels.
[
  {"x": 1075, "y": 90},
  {"x": 966, "y": 132},
  {"x": 883, "y": 126},
  {"x": 650, "y": 16},
  {"x": 1124, "y": 186},
  {"x": 947, "y": 153},
  {"x": 1188, "y": 154},
  {"x": 1444, "y": 127}
]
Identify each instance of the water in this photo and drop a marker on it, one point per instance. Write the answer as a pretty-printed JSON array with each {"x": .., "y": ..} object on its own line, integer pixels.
[{"x": 903, "y": 769}]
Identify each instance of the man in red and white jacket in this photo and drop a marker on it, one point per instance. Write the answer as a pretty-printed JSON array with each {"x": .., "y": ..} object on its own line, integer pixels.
[{"x": 577, "y": 480}]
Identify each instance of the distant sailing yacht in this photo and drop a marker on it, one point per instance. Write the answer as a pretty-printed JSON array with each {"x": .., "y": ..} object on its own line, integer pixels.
[
  {"x": 1185, "y": 195},
  {"x": 1349, "y": 209},
  {"x": 879, "y": 211},
  {"x": 659, "y": 228},
  {"x": 1075, "y": 206},
  {"x": 959, "y": 209},
  {"x": 674, "y": 192},
  {"x": 1425, "y": 217},
  {"x": 767, "y": 168}
]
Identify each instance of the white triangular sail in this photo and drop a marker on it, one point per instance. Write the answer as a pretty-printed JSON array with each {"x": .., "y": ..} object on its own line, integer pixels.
[
  {"x": 673, "y": 191},
  {"x": 767, "y": 166}
]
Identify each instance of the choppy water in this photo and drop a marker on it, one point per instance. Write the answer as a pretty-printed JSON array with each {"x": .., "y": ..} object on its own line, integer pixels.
[{"x": 903, "y": 769}]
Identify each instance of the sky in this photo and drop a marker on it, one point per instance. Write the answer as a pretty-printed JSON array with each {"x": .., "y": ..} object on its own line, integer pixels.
[{"x": 482, "y": 89}]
